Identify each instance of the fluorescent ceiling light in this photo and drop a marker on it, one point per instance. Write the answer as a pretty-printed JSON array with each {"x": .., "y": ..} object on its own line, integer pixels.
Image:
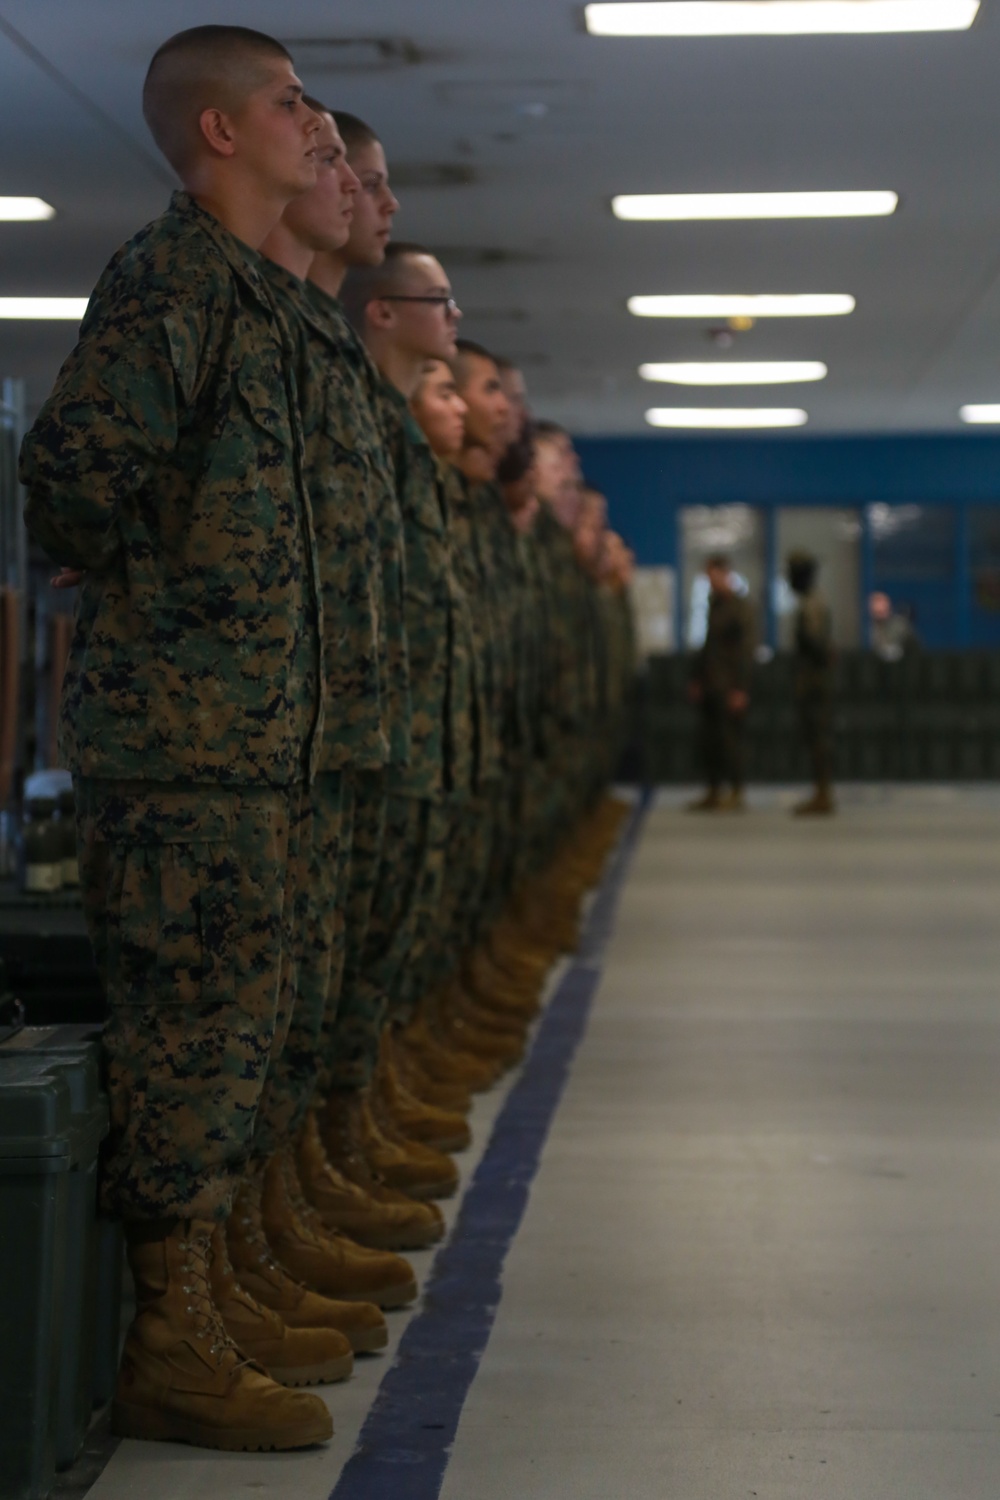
[
  {"x": 766, "y": 305},
  {"x": 645, "y": 207},
  {"x": 25, "y": 210},
  {"x": 722, "y": 416},
  {"x": 774, "y": 372},
  {"x": 778, "y": 17},
  {"x": 980, "y": 414},
  {"x": 68, "y": 309}
]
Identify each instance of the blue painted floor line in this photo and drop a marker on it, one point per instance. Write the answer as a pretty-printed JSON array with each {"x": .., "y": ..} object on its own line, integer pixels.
[{"x": 406, "y": 1441}]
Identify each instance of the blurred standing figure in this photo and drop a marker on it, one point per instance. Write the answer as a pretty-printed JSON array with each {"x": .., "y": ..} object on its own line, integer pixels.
[
  {"x": 892, "y": 631},
  {"x": 814, "y": 658},
  {"x": 720, "y": 686}
]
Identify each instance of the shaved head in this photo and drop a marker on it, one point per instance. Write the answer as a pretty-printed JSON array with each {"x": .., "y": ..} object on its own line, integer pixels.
[
  {"x": 366, "y": 284},
  {"x": 354, "y": 132},
  {"x": 207, "y": 67}
]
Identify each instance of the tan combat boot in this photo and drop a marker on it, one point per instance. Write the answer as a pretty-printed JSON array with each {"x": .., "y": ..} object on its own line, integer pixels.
[
  {"x": 482, "y": 976},
  {"x": 516, "y": 959},
  {"x": 340, "y": 1130},
  {"x": 447, "y": 1096},
  {"x": 416, "y": 1121},
  {"x": 733, "y": 801},
  {"x": 329, "y": 1263},
  {"x": 490, "y": 1013},
  {"x": 444, "y": 1063},
  {"x": 295, "y": 1356},
  {"x": 502, "y": 1051},
  {"x": 348, "y": 1208},
  {"x": 256, "y": 1268},
  {"x": 182, "y": 1379},
  {"x": 417, "y": 1170}
]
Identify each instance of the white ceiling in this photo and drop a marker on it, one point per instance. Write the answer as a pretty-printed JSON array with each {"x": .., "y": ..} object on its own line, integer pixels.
[{"x": 917, "y": 114}]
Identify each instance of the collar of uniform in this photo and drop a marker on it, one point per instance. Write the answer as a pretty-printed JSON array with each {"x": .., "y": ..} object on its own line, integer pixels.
[
  {"x": 335, "y": 322},
  {"x": 398, "y": 403},
  {"x": 289, "y": 285},
  {"x": 245, "y": 261}
]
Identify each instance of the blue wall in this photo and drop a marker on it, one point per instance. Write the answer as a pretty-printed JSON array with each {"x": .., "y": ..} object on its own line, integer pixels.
[{"x": 648, "y": 479}]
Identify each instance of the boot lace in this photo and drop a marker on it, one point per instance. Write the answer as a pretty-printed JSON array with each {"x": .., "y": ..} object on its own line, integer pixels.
[
  {"x": 310, "y": 1225},
  {"x": 197, "y": 1286},
  {"x": 250, "y": 1220}
]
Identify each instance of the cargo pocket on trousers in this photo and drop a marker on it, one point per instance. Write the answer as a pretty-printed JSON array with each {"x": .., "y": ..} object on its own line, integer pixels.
[{"x": 176, "y": 925}]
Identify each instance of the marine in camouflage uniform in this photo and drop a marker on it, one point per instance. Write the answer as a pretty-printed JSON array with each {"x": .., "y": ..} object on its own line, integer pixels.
[
  {"x": 167, "y": 464},
  {"x": 346, "y": 476},
  {"x": 473, "y": 840},
  {"x": 410, "y": 884},
  {"x": 358, "y": 435},
  {"x": 563, "y": 672},
  {"x": 720, "y": 681},
  {"x": 814, "y": 658}
]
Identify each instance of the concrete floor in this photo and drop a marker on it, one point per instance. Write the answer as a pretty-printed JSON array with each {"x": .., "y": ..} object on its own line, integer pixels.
[{"x": 761, "y": 1254}]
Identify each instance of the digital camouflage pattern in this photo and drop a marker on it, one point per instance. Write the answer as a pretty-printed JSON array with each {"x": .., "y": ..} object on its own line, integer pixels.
[
  {"x": 461, "y": 707},
  {"x": 190, "y": 899},
  {"x": 563, "y": 587},
  {"x": 324, "y": 856},
  {"x": 407, "y": 886},
  {"x": 167, "y": 464},
  {"x": 357, "y": 414},
  {"x": 364, "y": 815},
  {"x": 407, "y": 893},
  {"x": 470, "y": 568},
  {"x": 347, "y": 479},
  {"x": 427, "y": 597}
]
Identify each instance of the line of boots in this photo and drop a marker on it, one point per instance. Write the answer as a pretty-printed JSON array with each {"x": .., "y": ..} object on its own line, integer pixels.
[{"x": 233, "y": 1318}]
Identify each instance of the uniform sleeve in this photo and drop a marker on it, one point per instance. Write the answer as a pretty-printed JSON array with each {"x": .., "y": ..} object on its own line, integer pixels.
[{"x": 111, "y": 420}]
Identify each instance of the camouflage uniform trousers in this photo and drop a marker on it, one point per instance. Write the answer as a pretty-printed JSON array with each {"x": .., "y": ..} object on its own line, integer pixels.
[
  {"x": 189, "y": 893},
  {"x": 407, "y": 896},
  {"x": 815, "y": 706},
  {"x": 320, "y": 936},
  {"x": 723, "y": 737},
  {"x": 364, "y": 807},
  {"x": 520, "y": 848},
  {"x": 477, "y": 848},
  {"x": 537, "y": 849},
  {"x": 438, "y": 958}
]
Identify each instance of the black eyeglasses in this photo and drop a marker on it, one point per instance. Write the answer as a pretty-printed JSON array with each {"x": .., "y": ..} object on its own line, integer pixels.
[{"x": 448, "y": 303}]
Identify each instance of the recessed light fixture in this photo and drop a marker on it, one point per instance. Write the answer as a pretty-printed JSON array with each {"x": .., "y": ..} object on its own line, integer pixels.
[
  {"x": 726, "y": 416},
  {"x": 778, "y": 17},
  {"x": 25, "y": 210},
  {"x": 678, "y": 207},
  {"x": 774, "y": 372},
  {"x": 980, "y": 413},
  {"x": 66, "y": 309},
  {"x": 764, "y": 305}
]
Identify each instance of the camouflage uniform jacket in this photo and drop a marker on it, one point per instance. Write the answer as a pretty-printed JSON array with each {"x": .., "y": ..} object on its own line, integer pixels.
[
  {"x": 813, "y": 646},
  {"x": 531, "y": 622},
  {"x": 167, "y": 463},
  {"x": 460, "y": 712},
  {"x": 427, "y": 596},
  {"x": 564, "y": 674},
  {"x": 470, "y": 569},
  {"x": 504, "y": 572},
  {"x": 360, "y": 428},
  {"x": 346, "y": 474},
  {"x": 725, "y": 662}
]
